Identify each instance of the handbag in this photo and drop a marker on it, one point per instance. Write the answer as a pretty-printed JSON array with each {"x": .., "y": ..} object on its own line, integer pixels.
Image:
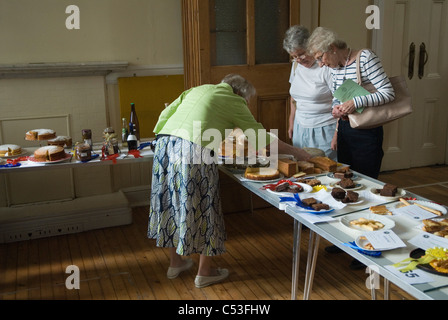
[{"x": 372, "y": 117}]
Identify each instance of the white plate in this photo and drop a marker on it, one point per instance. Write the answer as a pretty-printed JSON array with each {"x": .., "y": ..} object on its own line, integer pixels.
[
  {"x": 345, "y": 221},
  {"x": 24, "y": 152},
  {"x": 429, "y": 204},
  {"x": 357, "y": 186},
  {"x": 400, "y": 193},
  {"x": 66, "y": 158},
  {"x": 242, "y": 178},
  {"x": 306, "y": 189},
  {"x": 362, "y": 241}
]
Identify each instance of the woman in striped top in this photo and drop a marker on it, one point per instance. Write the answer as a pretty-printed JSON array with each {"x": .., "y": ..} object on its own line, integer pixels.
[{"x": 362, "y": 149}]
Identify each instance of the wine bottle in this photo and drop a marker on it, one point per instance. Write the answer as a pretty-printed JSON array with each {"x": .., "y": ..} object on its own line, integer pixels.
[
  {"x": 132, "y": 139},
  {"x": 134, "y": 120},
  {"x": 124, "y": 132}
]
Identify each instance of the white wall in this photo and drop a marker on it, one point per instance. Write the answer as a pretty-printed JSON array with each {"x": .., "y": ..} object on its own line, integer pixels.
[{"x": 142, "y": 32}]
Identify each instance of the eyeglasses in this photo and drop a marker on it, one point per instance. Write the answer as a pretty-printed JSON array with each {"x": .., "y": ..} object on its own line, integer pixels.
[{"x": 296, "y": 58}]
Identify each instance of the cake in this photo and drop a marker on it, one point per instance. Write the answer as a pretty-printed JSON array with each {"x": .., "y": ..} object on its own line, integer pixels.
[
  {"x": 235, "y": 145},
  {"x": 40, "y": 134},
  {"x": 350, "y": 197},
  {"x": 49, "y": 153},
  {"x": 346, "y": 183},
  {"x": 286, "y": 187},
  {"x": 320, "y": 206},
  {"x": 324, "y": 163},
  {"x": 338, "y": 193},
  {"x": 389, "y": 190},
  {"x": 340, "y": 175},
  {"x": 287, "y": 167},
  {"x": 7, "y": 150},
  {"x": 306, "y": 167},
  {"x": 309, "y": 201},
  {"x": 60, "y": 141},
  {"x": 261, "y": 173}
]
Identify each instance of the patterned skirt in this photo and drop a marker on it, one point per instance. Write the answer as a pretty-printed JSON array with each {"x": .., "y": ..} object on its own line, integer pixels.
[{"x": 185, "y": 210}]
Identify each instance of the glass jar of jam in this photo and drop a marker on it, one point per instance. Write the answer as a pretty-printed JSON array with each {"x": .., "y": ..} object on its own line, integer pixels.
[{"x": 83, "y": 152}]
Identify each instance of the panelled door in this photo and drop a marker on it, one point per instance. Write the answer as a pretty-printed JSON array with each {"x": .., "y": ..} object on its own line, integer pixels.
[
  {"x": 243, "y": 37},
  {"x": 414, "y": 42}
]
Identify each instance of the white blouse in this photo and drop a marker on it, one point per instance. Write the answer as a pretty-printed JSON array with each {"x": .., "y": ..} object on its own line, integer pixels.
[{"x": 310, "y": 88}]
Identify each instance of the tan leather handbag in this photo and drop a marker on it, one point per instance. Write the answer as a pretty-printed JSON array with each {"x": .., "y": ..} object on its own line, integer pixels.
[{"x": 373, "y": 117}]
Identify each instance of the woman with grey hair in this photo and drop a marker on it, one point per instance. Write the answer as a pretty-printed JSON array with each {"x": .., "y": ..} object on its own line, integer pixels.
[
  {"x": 361, "y": 149},
  {"x": 185, "y": 210},
  {"x": 310, "y": 122}
]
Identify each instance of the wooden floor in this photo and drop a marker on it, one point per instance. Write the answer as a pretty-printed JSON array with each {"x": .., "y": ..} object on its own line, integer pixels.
[{"x": 120, "y": 263}]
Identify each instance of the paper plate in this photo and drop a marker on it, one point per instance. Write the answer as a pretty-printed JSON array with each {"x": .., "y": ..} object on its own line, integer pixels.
[{"x": 345, "y": 221}]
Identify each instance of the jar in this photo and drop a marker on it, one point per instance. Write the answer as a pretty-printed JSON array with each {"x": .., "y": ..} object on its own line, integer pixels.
[
  {"x": 83, "y": 152},
  {"x": 113, "y": 146},
  {"x": 87, "y": 136}
]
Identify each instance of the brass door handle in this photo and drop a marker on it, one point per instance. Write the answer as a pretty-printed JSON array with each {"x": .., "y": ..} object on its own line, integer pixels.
[
  {"x": 411, "y": 61},
  {"x": 423, "y": 59}
]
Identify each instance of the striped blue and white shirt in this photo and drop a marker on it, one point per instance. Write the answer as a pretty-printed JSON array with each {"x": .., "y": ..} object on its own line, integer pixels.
[{"x": 372, "y": 71}]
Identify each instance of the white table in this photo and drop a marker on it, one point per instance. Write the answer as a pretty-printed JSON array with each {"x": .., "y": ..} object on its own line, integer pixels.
[{"x": 338, "y": 234}]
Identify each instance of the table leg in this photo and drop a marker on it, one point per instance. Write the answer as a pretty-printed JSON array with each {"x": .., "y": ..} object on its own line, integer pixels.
[
  {"x": 313, "y": 249},
  {"x": 296, "y": 258},
  {"x": 386, "y": 289}
]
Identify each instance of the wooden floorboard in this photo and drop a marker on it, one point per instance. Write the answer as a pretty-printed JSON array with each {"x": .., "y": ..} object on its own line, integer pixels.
[{"x": 120, "y": 263}]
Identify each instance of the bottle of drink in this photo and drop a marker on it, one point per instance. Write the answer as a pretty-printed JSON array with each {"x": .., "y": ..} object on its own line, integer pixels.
[
  {"x": 124, "y": 133},
  {"x": 134, "y": 120},
  {"x": 132, "y": 139}
]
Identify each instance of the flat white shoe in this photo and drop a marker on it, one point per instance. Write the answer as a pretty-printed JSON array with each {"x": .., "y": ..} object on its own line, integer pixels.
[
  {"x": 204, "y": 281},
  {"x": 172, "y": 272}
]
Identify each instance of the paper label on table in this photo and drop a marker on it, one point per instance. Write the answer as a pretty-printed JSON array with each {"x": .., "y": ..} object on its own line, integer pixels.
[
  {"x": 416, "y": 276},
  {"x": 384, "y": 240},
  {"x": 415, "y": 212},
  {"x": 426, "y": 241}
]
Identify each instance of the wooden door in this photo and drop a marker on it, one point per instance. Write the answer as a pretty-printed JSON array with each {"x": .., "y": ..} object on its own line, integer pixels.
[
  {"x": 243, "y": 37},
  {"x": 413, "y": 41}
]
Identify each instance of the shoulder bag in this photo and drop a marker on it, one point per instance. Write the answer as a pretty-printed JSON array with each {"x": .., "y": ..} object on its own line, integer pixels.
[{"x": 372, "y": 117}]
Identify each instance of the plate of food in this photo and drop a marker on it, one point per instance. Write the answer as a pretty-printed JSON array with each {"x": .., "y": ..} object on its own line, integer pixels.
[
  {"x": 365, "y": 244},
  {"x": 388, "y": 192},
  {"x": 348, "y": 197},
  {"x": 286, "y": 187},
  {"x": 365, "y": 222},
  {"x": 8, "y": 151},
  {"x": 355, "y": 186},
  {"x": 262, "y": 175},
  {"x": 428, "y": 205},
  {"x": 67, "y": 157},
  {"x": 340, "y": 175}
]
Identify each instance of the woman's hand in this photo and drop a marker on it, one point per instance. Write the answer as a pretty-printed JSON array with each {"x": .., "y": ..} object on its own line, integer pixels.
[{"x": 290, "y": 132}]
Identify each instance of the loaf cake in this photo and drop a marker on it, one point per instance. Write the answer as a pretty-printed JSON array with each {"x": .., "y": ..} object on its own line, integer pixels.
[
  {"x": 49, "y": 153},
  {"x": 324, "y": 163},
  {"x": 261, "y": 173},
  {"x": 7, "y": 150},
  {"x": 40, "y": 134},
  {"x": 60, "y": 141},
  {"x": 287, "y": 167},
  {"x": 306, "y": 167}
]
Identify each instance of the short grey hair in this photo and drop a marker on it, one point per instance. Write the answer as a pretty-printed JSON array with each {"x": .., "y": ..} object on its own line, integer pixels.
[
  {"x": 322, "y": 38},
  {"x": 296, "y": 38},
  {"x": 240, "y": 85}
]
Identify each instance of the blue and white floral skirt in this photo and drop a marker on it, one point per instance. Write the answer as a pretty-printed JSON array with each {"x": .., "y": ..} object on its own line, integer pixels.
[{"x": 185, "y": 210}]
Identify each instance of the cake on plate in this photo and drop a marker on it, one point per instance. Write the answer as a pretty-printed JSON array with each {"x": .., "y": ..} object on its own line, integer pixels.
[
  {"x": 261, "y": 174},
  {"x": 8, "y": 150},
  {"x": 60, "y": 141},
  {"x": 40, "y": 134},
  {"x": 49, "y": 153}
]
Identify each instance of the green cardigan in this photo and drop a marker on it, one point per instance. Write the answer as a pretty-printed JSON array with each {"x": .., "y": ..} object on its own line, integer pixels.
[{"x": 207, "y": 114}]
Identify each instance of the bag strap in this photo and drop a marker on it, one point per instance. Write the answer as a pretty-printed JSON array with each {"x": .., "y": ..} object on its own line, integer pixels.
[{"x": 358, "y": 69}]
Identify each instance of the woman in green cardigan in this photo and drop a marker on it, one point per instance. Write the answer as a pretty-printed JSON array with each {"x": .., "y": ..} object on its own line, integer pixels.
[{"x": 185, "y": 212}]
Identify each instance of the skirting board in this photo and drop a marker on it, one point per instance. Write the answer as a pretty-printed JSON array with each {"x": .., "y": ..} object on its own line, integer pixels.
[{"x": 52, "y": 219}]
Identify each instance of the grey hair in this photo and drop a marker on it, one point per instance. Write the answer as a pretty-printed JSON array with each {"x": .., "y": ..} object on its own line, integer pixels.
[
  {"x": 322, "y": 38},
  {"x": 240, "y": 85},
  {"x": 296, "y": 38}
]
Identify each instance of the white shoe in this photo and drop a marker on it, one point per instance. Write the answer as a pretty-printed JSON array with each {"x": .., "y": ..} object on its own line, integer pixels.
[
  {"x": 204, "y": 281},
  {"x": 172, "y": 272}
]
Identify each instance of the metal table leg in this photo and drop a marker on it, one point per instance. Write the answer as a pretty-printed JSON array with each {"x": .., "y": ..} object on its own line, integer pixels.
[
  {"x": 296, "y": 258},
  {"x": 313, "y": 249}
]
